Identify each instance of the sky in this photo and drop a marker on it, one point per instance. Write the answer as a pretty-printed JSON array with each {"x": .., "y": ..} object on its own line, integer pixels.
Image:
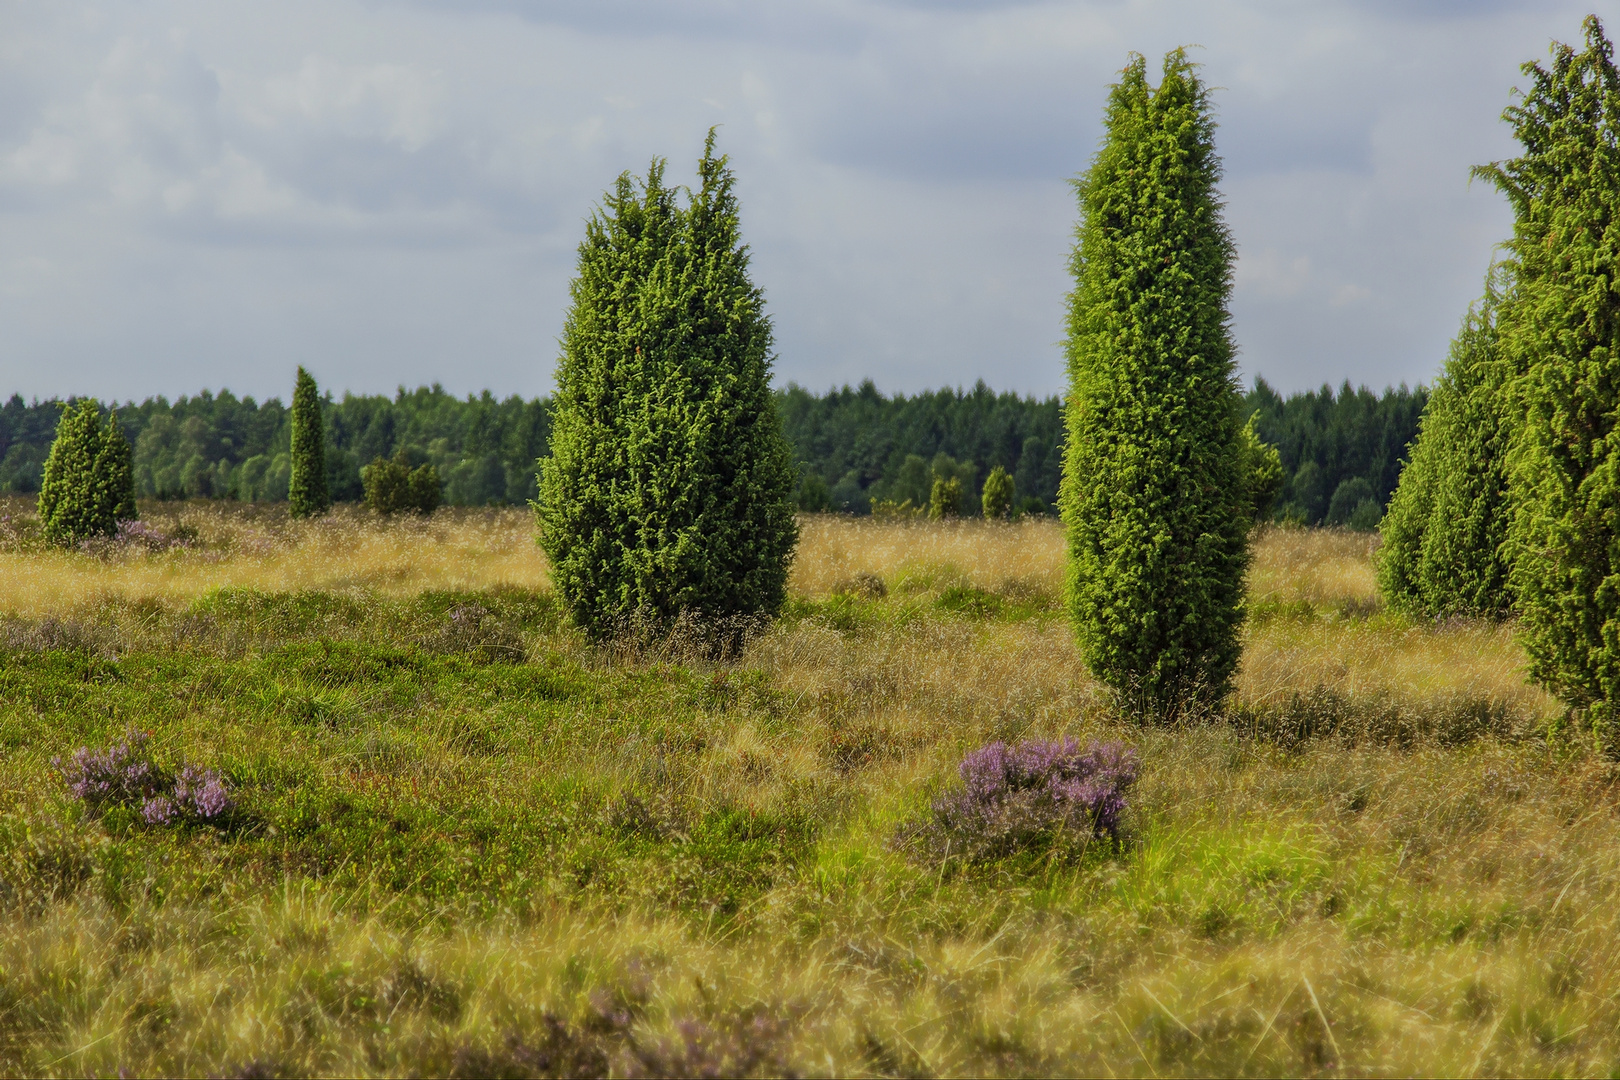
[{"x": 206, "y": 193}]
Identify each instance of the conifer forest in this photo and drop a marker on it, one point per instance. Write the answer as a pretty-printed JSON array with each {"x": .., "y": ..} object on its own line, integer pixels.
[{"x": 686, "y": 722}]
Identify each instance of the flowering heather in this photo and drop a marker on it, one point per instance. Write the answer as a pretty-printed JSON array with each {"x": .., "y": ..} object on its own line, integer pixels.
[
  {"x": 125, "y": 775},
  {"x": 121, "y": 775},
  {"x": 200, "y": 793},
  {"x": 1027, "y": 795}
]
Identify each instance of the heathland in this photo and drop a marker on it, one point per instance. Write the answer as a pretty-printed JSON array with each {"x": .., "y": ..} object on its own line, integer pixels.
[{"x": 465, "y": 841}]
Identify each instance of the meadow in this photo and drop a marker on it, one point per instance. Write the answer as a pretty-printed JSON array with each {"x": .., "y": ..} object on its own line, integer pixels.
[{"x": 465, "y": 842}]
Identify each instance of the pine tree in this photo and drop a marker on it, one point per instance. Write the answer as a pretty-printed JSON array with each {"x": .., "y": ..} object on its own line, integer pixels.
[
  {"x": 307, "y": 493},
  {"x": 669, "y": 490},
  {"x": 1156, "y": 485},
  {"x": 1560, "y": 325},
  {"x": 1443, "y": 550}
]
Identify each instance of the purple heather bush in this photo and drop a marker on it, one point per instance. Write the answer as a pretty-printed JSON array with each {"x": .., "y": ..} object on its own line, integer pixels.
[
  {"x": 1030, "y": 795},
  {"x": 124, "y": 774}
]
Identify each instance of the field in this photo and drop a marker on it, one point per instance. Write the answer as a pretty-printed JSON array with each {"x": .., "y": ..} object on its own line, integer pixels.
[{"x": 466, "y": 843}]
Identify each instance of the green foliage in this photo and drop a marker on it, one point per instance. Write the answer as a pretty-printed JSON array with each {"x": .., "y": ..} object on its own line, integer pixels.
[
  {"x": 1353, "y": 499},
  {"x": 814, "y": 495},
  {"x": 999, "y": 494},
  {"x": 115, "y": 471},
  {"x": 945, "y": 498},
  {"x": 1324, "y": 438},
  {"x": 1444, "y": 532},
  {"x": 306, "y": 487},
  {"x": 87, "y": 485},
  {"x": 392, "y": 486},
  {"x": 668, "y": 492},
  {"x": 1263, "y": 464},
  {"x": 1561, "y": 324},
  {"x": 867, "y": 446},
  {"x": 1155, "y": 485}
]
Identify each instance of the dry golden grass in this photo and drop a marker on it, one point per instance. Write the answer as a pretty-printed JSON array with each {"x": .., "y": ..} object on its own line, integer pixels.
[
  {"x": 1423, "y": 897},
  {"x": 260, "y": 548},
  {"x": 835, "y": 548}
]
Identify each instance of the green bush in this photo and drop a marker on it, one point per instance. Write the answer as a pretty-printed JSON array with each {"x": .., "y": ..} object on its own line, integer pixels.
[
  {"x": 814, "y": 495},
  {"x": 1353, "y": 496},
  {"x": 1156, "y": 489},
  {"x": 999, "y": 494},
  {"x": 1561, "y": 322},
  {"x": 1447, "y": 523},
  {"x": 392, "y": 486},
  {"x": 668, "y": 495},
  {"x": 1263, "y": 464},
  {"x": 945, "y": 500},
  {"x": 306, "y": 488},
  {"x": 89, "y": 482}
]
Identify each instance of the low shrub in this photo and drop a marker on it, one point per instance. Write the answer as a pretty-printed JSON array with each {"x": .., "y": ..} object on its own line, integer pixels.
[
  {"x": 392, "y": 486},
  {"x": 1029, "y": 797},
  {"x": 124, "y": 775}
]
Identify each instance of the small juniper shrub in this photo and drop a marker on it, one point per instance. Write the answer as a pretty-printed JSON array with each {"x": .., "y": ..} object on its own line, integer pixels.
[
  {"x": 945, "y": 500},
  {"x": 1030, "y": 797},
  {"x": 125, "y": 775}
]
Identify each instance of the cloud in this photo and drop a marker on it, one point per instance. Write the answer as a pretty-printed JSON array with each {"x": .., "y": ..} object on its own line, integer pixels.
[{"x": 210, "y": 193}]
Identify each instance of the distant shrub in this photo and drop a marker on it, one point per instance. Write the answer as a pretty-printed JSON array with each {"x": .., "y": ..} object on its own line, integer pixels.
[
  {"x": 945, "y": 501},
  {"x": 889, "y": 510},
  {"x": 125, "y": 775},
  {"x": 1264, "y": 465},
  {"x": 999, "y": 493},
  {"x": 814, "y": 494},
  {"x": 1353, "y": 503},
  {"x": 307, "y": 494},
  {"x": 1030, "y": 796},
  {"x": 392, "y": 486},
  {"x": 89, "y": 485}
]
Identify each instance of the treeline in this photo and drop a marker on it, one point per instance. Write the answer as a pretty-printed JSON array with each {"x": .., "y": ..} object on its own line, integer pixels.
[
  {"x": 222, "y": 446},
  {"x": 858, "y": 445},
  {"x": 1342, "y": 451}
]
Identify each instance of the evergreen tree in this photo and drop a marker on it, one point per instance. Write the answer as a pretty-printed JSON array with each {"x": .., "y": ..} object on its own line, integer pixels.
[
  {"x": 70, "y": 508},
  {"x": 307, "y": 492},
  {"x": 115, "y": 473},
  {"x": 1263, "y": 463},
  {"x": 1561, "y": 325},
  {"x": 999, "y": 494},
  {"x": 1443, "y": 552},
  {"x": 1156, "y": 490},
  {"x": 669, "y": 489}
]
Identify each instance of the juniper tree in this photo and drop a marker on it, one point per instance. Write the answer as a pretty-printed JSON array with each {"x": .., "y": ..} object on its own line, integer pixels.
[
  {"x": 669, "y": 490},
  {"x": 306, "y": 492},
  {"x": 1156, "y": 485},
  {"x": 999, "y": 493},
  {"x": 1447, "y": 522},
  {"x": 71, "y": 507},
  {"x": 115, "y": 472},
  {"x": 1561, "y": 326}
]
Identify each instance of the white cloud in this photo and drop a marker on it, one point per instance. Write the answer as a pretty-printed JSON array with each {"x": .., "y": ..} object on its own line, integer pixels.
[{"x": 208, "y": 193}]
